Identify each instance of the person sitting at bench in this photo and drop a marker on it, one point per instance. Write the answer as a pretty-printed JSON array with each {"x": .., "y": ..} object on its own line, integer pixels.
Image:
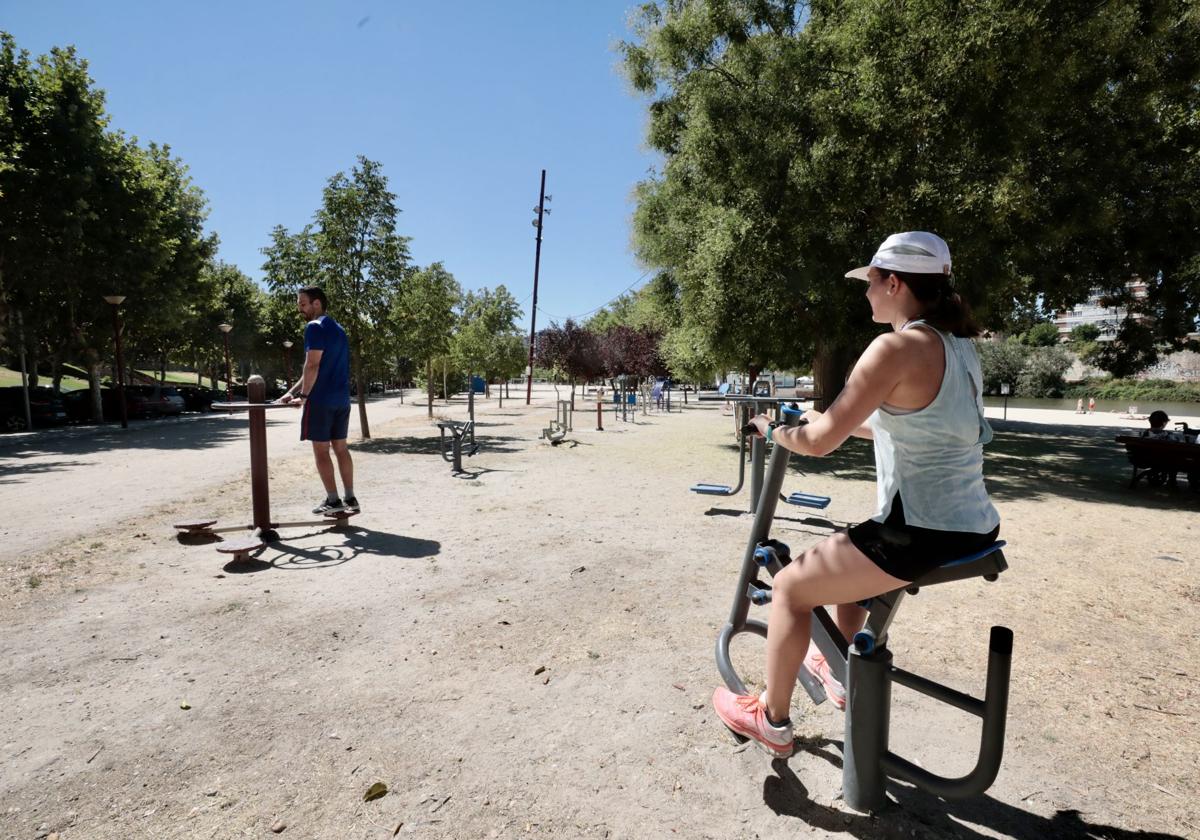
[
  {"x": 917, "y": 393},
  {"x": 1158, "y": 428}
]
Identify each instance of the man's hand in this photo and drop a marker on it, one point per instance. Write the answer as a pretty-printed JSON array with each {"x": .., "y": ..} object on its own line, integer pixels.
[
  {"x": 761, "y": 423},
  {"x": 287, "y": 398}
]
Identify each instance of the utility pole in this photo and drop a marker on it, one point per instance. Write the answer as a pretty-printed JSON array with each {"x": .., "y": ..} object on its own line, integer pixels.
[{"x": 537, "y": 262}]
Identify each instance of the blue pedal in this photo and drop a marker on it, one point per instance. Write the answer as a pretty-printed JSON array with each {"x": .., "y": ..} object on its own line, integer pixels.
[
  {"x": 809, "y": 500},
  {"x": 711, "y": 489}
]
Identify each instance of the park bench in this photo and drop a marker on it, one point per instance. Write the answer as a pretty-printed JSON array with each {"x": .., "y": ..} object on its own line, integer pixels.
[{"x": 1159, "y": 460}]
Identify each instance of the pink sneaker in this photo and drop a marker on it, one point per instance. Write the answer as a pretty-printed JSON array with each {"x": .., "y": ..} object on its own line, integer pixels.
[
  {"x": 746, "y": 715},
  {"x": 816, "y": 665}
]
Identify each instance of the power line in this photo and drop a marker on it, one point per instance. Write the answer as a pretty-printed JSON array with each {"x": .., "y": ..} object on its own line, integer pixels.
[{"x": 598, "y": 308}]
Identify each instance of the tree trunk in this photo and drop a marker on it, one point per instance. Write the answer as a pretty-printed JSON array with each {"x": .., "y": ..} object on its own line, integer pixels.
[
  {"x": 429, "y": 386},
  {"x": 830, "y": 365},
  {"x": 56, "y": 363},
  {"x": 445, "y": 382},
  {"x": 162, "y": 367},
  {"x": 500, "y": 393},
  {"x": 572, "y": 394},
  {"x": 93, "y": 368},
  {"x": 362, "y": 402},
  {"x": 34, "y": 362}
]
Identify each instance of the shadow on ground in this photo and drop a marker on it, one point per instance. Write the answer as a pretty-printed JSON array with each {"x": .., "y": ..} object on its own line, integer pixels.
[
  {"x": 18, "y": 457},
  {"x": 356, "y": 541},
  {"x": 915, "y": 813},
  {"x": 432, "y": 445}
]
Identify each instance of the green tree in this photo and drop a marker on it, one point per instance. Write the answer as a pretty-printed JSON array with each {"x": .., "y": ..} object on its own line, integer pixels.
[
  {"x": 1051, "y": 143},
  {"x": 1002, "y": 363},
  {"x": 1085, "y": 344},
  {"x": 423, "y": 318},
  {"x": 1044, "y": 334},
  {"x": 1042, "y": 375},
  {"x": 362, "y": 261},
  {"x": 487, "y": 320},
  {"x": 87, "y": 212}
]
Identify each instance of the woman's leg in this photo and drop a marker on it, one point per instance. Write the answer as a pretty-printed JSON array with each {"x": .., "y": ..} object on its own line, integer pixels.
[{"x": 831, "y": 572}]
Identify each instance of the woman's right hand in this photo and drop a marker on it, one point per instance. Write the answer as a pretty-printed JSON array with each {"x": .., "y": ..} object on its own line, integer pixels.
[{"x": 761, "y": 423}]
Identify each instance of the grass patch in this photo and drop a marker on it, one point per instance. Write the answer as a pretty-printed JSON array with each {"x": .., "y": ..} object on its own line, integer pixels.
[
  {"x": 10, "y": 377},
  {"x": 232, "y": 606},
  {"x": 33, "y": 581}
]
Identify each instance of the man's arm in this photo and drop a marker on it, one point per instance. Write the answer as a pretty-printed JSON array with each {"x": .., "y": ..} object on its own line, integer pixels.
[{"x": 308, "y": 379}]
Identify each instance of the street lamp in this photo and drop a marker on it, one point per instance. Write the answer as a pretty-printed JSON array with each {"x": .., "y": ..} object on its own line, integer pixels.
[
  {"x": 225, "y": 328},
  {"x": 115, "y": 301},
  {"x": 287, "y": 362}
]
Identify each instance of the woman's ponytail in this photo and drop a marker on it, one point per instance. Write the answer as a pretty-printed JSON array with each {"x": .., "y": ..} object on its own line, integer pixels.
[{"x": 944, "y": 308}]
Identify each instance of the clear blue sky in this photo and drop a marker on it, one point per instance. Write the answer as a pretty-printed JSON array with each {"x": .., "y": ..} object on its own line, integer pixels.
[{"x": 464, "y": 103}]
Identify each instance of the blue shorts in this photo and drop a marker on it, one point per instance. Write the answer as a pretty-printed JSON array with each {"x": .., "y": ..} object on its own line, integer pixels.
[{"x": 324, "y": 422}]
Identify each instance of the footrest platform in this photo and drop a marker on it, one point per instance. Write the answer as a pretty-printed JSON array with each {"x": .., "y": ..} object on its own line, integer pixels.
[
  {"x": 711, "y": 489},
  {"x": 240, "y": 548},
  {"x": 808, "y": 500}
]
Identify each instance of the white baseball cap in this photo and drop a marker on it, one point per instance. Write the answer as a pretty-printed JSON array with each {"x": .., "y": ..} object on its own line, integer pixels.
[{"x": 917, "y": 252}]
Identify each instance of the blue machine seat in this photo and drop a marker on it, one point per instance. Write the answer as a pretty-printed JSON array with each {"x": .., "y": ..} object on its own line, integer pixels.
[
  {"x": 711, "y": 489},
  {"x": 808, "y": 500}
]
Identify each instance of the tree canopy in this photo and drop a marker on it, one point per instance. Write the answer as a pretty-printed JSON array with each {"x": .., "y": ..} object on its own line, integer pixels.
[{"x": 1053, "y": 144}]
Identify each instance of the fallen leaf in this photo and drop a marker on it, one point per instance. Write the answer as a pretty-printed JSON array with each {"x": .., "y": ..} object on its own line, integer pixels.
[
  {"x": 397, "y": 831},
  {"x": 375, "y": 791},
  {"x": 677, "y": 685},
  {"x": 185, "y": 705},
  {"x": 539, "y": 670}
]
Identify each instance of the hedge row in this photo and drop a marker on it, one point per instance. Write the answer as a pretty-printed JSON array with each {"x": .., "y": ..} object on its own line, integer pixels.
[{"x": 1160, "y": 390}]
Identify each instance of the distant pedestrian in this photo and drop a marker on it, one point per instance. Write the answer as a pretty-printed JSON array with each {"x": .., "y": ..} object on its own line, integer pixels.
[
  {"x": 1079, "y": 406},
  {"x": 325, "y": 388},
  {"x": 1091, "y": 405}
]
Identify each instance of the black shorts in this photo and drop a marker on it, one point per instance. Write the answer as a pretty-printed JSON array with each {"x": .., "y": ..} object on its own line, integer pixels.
[
  {"x": 907, "y": 552},
  {"x": 323, "y": 423}
]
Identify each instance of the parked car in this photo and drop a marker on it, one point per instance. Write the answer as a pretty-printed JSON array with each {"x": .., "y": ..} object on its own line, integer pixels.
[
  {"x": 198, "y": 398},
  {"x": 45, "y": 408},
  {"x": 137, "y": 402},
  {"x": 78, "y": 405},
  {"x": 171, "y": 402}
]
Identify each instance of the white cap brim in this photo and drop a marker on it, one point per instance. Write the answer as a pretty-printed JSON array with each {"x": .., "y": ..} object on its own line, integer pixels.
[{"x": 859, "y": 273}]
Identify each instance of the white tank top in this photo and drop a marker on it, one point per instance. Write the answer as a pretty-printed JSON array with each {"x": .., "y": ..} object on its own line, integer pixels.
[{"x": 933, "y": 456}]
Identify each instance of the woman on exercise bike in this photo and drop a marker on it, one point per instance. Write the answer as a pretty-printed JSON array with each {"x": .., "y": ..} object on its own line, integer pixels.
[{"x": 917, "y": 392}]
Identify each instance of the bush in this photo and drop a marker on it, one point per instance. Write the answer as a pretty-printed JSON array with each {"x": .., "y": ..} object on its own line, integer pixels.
[
  {"x": 1136, "y": 390},
  {"x": 1043, "y": 373},
  {"x": 1002, "y": 363}
]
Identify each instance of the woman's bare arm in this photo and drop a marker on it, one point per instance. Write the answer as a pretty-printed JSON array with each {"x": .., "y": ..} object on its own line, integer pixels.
[{"x": 874, "y": 377}]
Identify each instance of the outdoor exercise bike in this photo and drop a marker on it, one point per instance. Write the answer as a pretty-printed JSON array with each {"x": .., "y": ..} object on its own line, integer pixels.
[
  {"x": 262, "y": 529},
  {"x": 864, "y": 665}
]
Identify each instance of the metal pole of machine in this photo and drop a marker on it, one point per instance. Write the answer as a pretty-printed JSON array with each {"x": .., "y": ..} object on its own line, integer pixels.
[{"x": 537, "y": 262}]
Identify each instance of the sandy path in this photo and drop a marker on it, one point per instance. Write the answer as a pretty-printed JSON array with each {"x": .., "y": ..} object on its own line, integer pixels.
[
  {"x": 61, "y": 469},
  {"x": 406, "y": 650}
]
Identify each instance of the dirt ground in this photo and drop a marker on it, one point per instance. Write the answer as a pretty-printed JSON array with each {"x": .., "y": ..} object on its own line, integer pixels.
[{"x": 527, "y": 650}]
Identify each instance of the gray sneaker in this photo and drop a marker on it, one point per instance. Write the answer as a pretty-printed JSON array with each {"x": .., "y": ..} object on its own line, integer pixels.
[
  {"x": 351, "y": 505},
  {"x": 327, "y": 507}
]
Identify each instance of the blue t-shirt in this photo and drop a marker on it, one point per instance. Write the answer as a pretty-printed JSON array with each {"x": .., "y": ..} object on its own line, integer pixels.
[{"x": 333, "y": 376}]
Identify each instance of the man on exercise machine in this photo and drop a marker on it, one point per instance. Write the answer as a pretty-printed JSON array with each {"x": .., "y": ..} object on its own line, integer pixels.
[{"x": 325, "y": 388}]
